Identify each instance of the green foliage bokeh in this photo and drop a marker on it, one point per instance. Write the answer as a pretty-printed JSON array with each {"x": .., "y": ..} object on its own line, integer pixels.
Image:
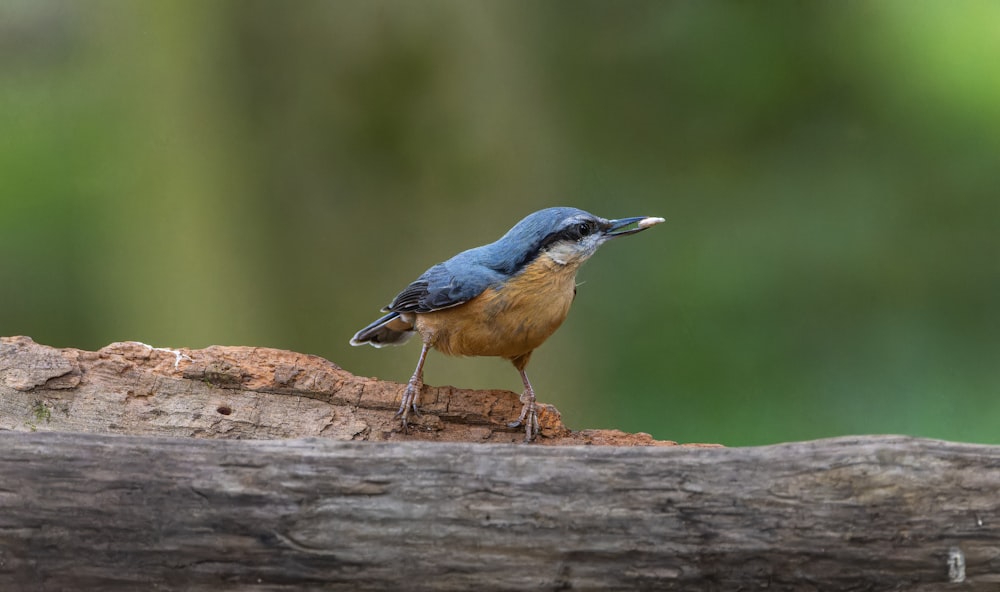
[{"x": 187, "y": 173}]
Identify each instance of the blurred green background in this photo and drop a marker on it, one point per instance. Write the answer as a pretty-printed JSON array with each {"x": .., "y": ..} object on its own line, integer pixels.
[{"x": 187, "y": 173}]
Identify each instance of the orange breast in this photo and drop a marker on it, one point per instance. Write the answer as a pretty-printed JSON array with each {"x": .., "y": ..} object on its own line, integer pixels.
[{"x": 509, "y": 321}]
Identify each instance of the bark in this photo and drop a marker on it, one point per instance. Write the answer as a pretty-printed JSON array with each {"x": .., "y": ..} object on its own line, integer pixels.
[{"x": 247, "y": 392}]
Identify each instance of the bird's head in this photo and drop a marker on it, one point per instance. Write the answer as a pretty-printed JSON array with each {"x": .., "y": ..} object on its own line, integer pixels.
[{"x": 569, "y": 236}]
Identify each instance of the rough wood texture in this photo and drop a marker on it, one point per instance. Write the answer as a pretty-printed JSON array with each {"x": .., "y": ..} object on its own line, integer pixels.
[
  {"x": 89, "y": 512},
  {"x": 247, "y": 392},
  {"x": 203, "y": 511}
]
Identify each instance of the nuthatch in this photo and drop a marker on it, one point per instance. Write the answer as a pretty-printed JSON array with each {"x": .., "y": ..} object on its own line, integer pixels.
[{"x": 502, "y": 299}]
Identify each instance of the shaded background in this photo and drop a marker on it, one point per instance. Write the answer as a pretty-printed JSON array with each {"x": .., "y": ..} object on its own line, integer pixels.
[{"x": 187, "y": 173}]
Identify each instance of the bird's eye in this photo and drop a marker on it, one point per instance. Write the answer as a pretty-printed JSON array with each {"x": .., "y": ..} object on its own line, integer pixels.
[{"x": 584, "y": 229}]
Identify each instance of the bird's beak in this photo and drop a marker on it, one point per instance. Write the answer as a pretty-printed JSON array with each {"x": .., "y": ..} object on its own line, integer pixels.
[{"x": 622, "y": 227}]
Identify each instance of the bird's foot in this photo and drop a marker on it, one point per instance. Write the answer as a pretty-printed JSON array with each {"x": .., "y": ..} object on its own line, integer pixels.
[
  {"x": 528, "y": 417},
  {"x": 409, "y": 403}
]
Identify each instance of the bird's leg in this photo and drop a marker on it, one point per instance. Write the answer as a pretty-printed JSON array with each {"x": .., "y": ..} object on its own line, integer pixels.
[
  {"x": 529, "y": 414},
  {"x": 413, "y": 387}
]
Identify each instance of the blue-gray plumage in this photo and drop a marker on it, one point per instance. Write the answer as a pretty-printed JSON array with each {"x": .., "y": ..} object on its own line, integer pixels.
[{"x": 501, "y": 299}]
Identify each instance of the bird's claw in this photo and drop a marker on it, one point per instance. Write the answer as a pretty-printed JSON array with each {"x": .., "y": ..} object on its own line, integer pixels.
[
  {"x": 408, "y": 405},
  {"x": 528, "y": 417}
]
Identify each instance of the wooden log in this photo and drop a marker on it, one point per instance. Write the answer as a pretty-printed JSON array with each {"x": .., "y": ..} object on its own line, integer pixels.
[
  {"x": 98, "y": 512},
  {"x": 142, "y": 468},
  {"x": 247, "y": 392}
]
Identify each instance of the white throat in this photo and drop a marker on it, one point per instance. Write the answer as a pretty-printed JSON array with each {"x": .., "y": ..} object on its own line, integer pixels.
[{"x": 565, "y": 253}]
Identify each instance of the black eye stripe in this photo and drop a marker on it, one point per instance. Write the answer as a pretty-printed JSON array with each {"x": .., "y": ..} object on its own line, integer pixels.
[{"x": 573, "y": 232}]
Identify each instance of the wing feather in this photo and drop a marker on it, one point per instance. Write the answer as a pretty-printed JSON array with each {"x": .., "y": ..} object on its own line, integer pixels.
[{"x": 447, "y": 284}]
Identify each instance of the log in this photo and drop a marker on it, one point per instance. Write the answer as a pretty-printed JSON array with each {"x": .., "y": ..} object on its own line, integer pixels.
[
  {"x": 187, "y": 503},
  {"x": 100, "y": 512},
  {"x": 248, "y": 392}
]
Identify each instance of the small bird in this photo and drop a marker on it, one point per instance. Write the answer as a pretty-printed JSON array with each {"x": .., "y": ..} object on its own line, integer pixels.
[{"x": 502, "y": 299}]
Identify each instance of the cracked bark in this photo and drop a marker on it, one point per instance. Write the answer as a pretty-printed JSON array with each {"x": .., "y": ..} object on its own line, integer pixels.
[
  {"x": 202, "y": 511},
  {"x": 246, "y": 393}
]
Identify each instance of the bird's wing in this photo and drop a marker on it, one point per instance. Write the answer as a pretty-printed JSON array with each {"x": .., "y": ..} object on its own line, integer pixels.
[{"x": 445, "y": 285}]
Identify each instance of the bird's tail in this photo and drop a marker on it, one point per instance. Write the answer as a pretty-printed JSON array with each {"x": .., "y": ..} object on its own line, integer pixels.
[{"x": 392, "y": 329}]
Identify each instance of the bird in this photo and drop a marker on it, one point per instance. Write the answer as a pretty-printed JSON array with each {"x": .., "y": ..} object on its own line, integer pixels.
[{"x": 502, "y": 299}]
